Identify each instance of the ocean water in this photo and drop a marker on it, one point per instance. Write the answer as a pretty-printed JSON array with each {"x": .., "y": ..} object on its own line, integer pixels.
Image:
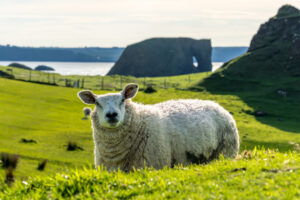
[{"x": 79, "y": 68}]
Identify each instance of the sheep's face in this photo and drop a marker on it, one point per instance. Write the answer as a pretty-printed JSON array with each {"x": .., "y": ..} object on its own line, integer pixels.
[
  {"x": 110, "y": 110},
  {"x": 110, "y": 107}
]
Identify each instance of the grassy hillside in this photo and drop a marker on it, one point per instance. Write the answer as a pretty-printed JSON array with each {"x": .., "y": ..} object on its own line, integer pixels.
[
  {"x": 259, "y": 93},
  {"x": 52, "y": 116}
]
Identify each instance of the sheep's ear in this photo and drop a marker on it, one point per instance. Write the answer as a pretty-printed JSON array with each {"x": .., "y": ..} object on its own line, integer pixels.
[
  {"x": 130, "y": 90},
  {"x": 87, "y": 96}
]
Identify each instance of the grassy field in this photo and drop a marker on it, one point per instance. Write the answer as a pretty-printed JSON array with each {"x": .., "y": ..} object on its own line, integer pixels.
[
  {"x": 256, "y": 175},
  {"x": 52, "y": 116},
  {"x": 114, "y": 82}
]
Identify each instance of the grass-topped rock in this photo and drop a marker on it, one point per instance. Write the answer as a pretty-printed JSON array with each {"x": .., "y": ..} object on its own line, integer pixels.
[
  {"x": 44, "y": 68},
  {"x": 20, "y": 66}
]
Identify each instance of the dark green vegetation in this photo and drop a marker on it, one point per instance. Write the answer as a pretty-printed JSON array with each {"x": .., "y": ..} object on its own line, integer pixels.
[{"x": 164, "y": 57}]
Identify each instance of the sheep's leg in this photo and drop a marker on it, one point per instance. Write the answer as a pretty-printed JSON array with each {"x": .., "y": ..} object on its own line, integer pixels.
[
  {"x": 97, "y": 158},
  {"x": 230, "y": 143}
]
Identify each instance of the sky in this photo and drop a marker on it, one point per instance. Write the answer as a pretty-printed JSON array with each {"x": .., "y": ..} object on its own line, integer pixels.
[{"x": 107, "y": 23}]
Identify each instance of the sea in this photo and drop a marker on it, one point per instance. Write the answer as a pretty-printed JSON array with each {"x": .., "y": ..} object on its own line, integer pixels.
[{"x": 79, "y": 68}]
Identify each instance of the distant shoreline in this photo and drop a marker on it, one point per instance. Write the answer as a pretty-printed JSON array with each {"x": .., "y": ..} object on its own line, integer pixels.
[
  {"x": 92, "y": 54},
  {"x": 79, "y": 68}
]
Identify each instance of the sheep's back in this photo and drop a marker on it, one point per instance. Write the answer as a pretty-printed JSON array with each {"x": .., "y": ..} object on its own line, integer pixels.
[{"x": 194, "y": 125}]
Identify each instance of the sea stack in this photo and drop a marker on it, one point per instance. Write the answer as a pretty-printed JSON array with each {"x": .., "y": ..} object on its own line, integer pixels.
[{"x": 164, "y": 57}]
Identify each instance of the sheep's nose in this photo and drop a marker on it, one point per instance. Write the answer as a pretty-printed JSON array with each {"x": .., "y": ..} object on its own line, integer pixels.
[{"x": 112, "y": 116}]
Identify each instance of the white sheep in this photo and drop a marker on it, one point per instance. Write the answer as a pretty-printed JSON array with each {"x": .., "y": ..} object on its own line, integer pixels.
[
  {"x": 86, "y": 111},
  {"x": 128, "y": 135}
]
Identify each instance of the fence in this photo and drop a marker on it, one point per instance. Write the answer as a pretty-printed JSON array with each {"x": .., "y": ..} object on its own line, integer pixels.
[{"x": 114, "y": 82}]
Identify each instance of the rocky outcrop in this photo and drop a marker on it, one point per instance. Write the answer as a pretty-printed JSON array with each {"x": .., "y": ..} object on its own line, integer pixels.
[
  {"x": 164, "y": 57},
  {"x": 270, "y": 68},
  {"x": 285, "y": 27},
  {"x": 44, "y": 68},
  {"x": 20, "y": 66},
  {"x": 274, "y": 51},
  {"x": 273, "y": 57}
]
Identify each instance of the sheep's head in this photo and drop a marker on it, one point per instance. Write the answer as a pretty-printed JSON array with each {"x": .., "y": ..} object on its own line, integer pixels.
[{"x": 110, "y": 107}]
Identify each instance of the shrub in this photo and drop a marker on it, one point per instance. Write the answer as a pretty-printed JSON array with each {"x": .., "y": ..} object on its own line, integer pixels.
[
  {"x": 149, "y": 89},
  {"x": 9, "y": 160},
  {"x": 42, "y": 165},
  {"x": 73, "y": 146},
  {"x": 24, "y": 140}
]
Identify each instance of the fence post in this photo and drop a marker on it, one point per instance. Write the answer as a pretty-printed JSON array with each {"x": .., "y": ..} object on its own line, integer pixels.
[
  {"x": 102, "y": 83},
  {"x": 121, "y": 84},
  {"x": 29, "y": 75},
  {"x": 82, "y": 83},
  {"x": 48, "y": 77},
  {"x": 54, "y": 78}
]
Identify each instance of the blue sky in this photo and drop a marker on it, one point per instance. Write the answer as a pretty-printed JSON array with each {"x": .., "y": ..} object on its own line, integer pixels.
[{"x": 106, "y": 23}]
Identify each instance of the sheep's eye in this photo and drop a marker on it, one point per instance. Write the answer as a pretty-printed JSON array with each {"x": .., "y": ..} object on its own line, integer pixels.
[
  {"x": 122, "y": 101},
  {"x": 98, "y": 104}
]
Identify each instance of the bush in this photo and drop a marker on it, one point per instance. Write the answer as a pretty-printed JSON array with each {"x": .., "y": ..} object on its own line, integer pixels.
[
  {"x": 24, "y": 140},
  {"x": 149, "y": 89},
  {"x": 9, "y": 160},
  {"x": 73, "y": 146}
]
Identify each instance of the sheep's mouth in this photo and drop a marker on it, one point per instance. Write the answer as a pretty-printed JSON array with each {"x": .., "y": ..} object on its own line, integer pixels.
[{"x": 114, "y": 124}]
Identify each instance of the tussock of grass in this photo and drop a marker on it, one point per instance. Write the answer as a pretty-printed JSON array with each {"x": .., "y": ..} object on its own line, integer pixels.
[{"x": 266, "y": 175}]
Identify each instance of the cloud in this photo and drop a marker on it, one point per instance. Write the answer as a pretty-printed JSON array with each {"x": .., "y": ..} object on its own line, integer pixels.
[{"x": 121, "y": 22}]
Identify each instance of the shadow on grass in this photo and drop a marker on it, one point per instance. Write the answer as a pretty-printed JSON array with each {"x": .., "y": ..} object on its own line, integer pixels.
[
  {"x": 282, "y": 112},
  {"x": 281, "y": 146}
]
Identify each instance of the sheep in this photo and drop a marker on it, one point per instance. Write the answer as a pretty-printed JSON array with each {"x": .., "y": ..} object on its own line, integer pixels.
[
  {"x": 86, "y": 111},
  {"x": 129, "y": 135}
]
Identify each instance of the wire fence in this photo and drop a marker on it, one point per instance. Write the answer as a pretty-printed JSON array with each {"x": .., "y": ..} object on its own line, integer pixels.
[{"x": 114, "y": 82}]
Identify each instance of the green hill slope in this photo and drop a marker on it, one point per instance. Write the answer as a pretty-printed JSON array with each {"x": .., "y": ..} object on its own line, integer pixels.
[
  {"x": 52, "y": 116},
  {"x": 49, "y": 115}
]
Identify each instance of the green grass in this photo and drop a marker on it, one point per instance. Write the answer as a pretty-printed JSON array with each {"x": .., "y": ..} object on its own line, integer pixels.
[
  {"x": 52, "y": 116},
  {"x": 262, "y": 175},
  {"x": 114, "y": 82},
  {"x": 255, "y": 78}
]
